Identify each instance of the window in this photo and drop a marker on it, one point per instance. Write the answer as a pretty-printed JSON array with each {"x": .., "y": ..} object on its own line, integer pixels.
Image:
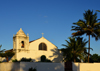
[
  {"x": 22, "y": 44},
  {"x": 42, "y": 46}
]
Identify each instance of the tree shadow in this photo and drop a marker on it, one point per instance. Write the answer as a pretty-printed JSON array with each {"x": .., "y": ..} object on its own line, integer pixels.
[
  {"x": 57, "y": 54},
  {"x": 24, "y": 66},
  {"x": 10, "y": 66}
]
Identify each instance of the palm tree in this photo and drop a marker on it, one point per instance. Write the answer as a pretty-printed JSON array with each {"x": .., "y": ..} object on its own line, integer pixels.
[
  {"x": 88, "y": 26},
  {"x": 75, "y": 48},
  {"x": 98, "y": 10}
]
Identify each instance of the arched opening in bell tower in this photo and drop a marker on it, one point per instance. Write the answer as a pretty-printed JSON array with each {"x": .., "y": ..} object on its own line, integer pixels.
[{"x": 22, "y": 44}]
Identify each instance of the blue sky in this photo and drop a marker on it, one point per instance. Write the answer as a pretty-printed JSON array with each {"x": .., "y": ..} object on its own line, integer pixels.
[{"x": 54, "y": 18}]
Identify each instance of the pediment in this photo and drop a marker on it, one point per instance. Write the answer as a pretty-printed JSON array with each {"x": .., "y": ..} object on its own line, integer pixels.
[
  {"x": 20, "y": 33},
  {"x": 40, "y": 40}
]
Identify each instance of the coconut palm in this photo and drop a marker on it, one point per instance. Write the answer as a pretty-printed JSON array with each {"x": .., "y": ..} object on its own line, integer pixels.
[
  {"x": 74, "y": 49},
  {"x": 98, "y": 10},
  {"x": 88, "y": 26}
]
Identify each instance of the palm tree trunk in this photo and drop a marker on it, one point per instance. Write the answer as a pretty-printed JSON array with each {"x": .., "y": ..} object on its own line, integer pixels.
[
  {"x": 74, "y": 56},
  {"x": 74, "y": 53},
  {"x": 89, "y": 49}
]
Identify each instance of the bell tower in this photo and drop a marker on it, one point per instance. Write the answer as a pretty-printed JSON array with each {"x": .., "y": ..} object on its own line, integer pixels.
[{"x": 20, "y": 41}]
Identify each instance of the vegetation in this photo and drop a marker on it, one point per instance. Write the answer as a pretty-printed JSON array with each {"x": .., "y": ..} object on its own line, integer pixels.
[
  {"x": 31, "y": 69},
  {"x": 1, "y": 51},
  {"x": 94, "y": 58},
  {"x": 98, "y": 10},
  {"x": 26, "y": 60},
  {"x": 15, "y": 60},
  {"x": 47, "y": 60},
  {"x": 88, "y": 26},
  {"x": 75, "y": 49},
  {"x": 6, "y": 54}
]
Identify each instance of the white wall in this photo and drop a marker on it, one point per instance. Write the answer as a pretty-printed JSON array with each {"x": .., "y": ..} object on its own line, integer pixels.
[
  {"x": 86, "y": 66},
  {"x": 24, "y": 66},
  {"x": 52, "y": 52},
  {"x": 31, "y": 49},
  {"x": 10, "y": 66}
]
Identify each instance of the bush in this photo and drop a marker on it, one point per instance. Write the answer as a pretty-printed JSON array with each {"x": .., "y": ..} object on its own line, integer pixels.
[
  {"x": 47, "y": 60},
  {"x": 15, "y": 60},
  {"x": 26, "y": 59},
  {"x": 31, "y": 69}
]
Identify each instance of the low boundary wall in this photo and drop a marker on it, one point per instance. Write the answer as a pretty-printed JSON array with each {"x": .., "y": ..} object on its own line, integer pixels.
[
  {"x": 24, "y": 66},
  {"x": 86, "y": 66}
]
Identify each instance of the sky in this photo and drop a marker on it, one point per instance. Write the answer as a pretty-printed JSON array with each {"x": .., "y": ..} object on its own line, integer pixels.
[{"x": 54, "y": 18}]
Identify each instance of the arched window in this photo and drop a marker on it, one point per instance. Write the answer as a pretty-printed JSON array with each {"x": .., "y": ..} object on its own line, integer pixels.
[
  {"x": 42, "y": 46},
  {"x": 22, "y": 44}
]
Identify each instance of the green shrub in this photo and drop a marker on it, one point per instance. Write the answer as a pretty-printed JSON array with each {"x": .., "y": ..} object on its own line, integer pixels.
[
  {"x": 26, "y": 59},
  {"x": 15, "y": 60},
  {"x": 47, "y": 60}
]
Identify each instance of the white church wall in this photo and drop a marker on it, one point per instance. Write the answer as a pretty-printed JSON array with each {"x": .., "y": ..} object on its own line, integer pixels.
[
  {"x": 51, "y": 49},
  {"x": 35, "y": 44},
  {"x": 36, "y": 56},
  {"x": 31, "y": 50}
]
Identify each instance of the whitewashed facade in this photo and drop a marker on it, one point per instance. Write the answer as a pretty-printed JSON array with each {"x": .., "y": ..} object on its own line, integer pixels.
[{"x": 34, "y": 49}]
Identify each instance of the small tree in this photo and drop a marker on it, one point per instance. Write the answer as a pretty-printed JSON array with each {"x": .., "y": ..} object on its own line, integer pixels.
[
  {"x": 1, "y": 51},
  {"x": 8, "y": 54}
]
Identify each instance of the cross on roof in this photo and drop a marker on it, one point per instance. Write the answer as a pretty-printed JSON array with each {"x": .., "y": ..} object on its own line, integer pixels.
[{"x": 42, "y": 34}]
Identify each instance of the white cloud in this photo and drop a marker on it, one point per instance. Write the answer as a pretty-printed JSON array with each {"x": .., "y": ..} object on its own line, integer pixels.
[
  {"x": 46, "y": 21},
  {"x": 45, "y": 16}
]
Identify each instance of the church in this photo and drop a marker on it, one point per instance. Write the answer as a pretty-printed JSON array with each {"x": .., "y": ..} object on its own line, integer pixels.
[{"x": 34, "y": 49}]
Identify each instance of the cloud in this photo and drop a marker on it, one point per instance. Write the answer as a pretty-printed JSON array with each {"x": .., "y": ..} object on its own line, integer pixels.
[
  {"x": 46, "y": 21},
  {"x": 45, "y": 16}
]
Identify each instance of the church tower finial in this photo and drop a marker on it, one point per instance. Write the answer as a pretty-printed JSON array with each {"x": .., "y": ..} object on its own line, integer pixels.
[
  {"x": 20, "y": 28},
  {"x": 42, "y": 34}
]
